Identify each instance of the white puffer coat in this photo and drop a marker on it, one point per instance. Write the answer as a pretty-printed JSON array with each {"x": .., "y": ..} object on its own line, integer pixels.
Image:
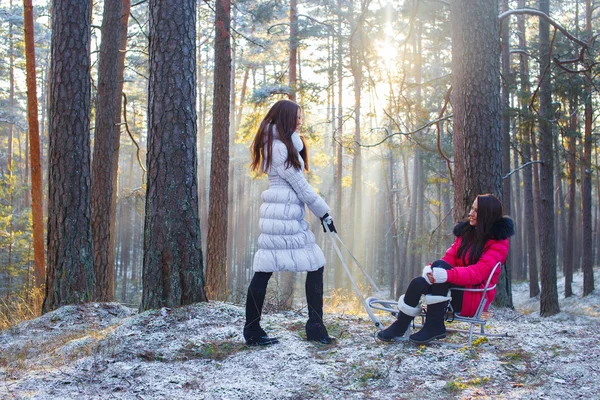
[{"x": 286, "y": 243}]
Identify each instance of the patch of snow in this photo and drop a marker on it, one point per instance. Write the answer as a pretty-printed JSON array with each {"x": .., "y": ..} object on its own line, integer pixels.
[{"x": 102, "y": 350}]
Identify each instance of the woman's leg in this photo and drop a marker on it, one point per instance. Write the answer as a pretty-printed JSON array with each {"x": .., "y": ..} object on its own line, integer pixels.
[
  {"x": 409, "y": 307},
  {"x": 257, "y": 291},
  {"x": 457, "y": 298},
  {"x": 315, "y": 329},
  {"x": 437, "y": 304}
]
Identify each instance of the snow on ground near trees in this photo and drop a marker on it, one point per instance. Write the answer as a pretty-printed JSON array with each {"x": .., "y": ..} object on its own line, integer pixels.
[{"x": 98, "y": 351}]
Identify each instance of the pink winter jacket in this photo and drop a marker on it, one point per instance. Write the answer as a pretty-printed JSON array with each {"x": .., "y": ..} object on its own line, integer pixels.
[{"x": 475, "y": 275}]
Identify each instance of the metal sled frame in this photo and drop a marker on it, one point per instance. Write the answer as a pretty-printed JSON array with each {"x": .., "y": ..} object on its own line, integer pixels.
[{"x": 476, "y": 319}]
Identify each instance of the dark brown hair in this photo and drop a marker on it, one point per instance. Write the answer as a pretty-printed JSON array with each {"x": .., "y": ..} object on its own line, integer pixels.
[
  {"x": 474, "y": 238},
  {"x": 284, "y": 115}
]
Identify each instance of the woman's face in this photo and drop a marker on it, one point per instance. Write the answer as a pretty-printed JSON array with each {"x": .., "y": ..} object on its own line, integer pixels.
[
  {"x": 299, "y": 119},
  {"x": 473, "y": 214}
]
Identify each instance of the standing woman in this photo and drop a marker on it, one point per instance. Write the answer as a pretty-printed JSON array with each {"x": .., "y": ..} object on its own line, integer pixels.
[
  {"x": 286, "y": 243},
  {"x": 481, "y": 242}
]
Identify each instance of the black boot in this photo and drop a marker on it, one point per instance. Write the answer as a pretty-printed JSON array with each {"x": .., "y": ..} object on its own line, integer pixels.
[
  {"x": 434, "y": 327},
  {"x": 315, "y": 329},
  {"x": 257, "y": 290},
  {"x": 398, "y": 328}
]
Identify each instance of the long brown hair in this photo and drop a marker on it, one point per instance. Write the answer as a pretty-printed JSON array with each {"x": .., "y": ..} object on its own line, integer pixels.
[
  {"x": 474, "y": 238},
  {"x": 283, "y": 115}
]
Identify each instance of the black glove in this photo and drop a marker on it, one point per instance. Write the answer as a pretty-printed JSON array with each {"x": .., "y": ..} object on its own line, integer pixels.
[
  {"x": 327, "y": 220},
  {"x": 441, "y": 264}
]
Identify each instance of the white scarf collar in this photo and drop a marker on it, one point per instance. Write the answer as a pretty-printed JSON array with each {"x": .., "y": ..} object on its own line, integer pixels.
[{"x": 298, "y": 144}]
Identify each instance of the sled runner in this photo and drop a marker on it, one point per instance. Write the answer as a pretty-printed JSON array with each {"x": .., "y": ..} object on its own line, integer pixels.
[{"x": 391, "y": 306}]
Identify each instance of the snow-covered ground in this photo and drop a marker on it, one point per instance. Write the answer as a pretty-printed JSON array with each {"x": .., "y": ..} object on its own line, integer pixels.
[{"x": 100, "y": 351}]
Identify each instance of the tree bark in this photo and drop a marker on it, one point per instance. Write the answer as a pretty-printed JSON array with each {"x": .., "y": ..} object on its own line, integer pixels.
[
  {"x": 70, "y": 273},
  {"x": 103, "y": 174},
  {"x": 530, "y": 209},
  {"x": 11, "y": 96},
  {"x": 356, "y": 60},
  {"x": 172, "y": 263},
  {"x": 549, "y": 294},
  {"x": 504, "y": 288},
  {"x": 476, "y": 95},
  {"x": 572, "y": 176},
  {"x": 587, "y": 259},
  {"x": 293, "y": 61},
  {"x": 34, "y": 149},
  {"x": 216, "y": 247},
  {"x": 338, "y": 206}
]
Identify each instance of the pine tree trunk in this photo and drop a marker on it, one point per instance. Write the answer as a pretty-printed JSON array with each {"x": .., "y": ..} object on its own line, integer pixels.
[
  {"x": 504, "y": 288},
  {"x": 11, "y": 96},
  {"x": 70, "y": 272},
  {"x": 104, "y": 177},
  {"x": 293, "y": 62},
  {"x": 549, "y": 294},
  {"x": 356, "y": 54},
  {"x": 572, "y": 176},
  {"x": 172, "y": 263},
  {"x": 526, "y": 153},
  {"x": 587, "y": 259},
  {"x": 34, "y": 149},
  {"x": 216, "y": 246},
  {"x": 475, "y": 99},
  {"x": 127, "y": 207},
  {"x": 337, "y": 208}
]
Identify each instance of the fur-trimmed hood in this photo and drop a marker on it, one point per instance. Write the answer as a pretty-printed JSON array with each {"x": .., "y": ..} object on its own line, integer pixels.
[{"x": 502, "y": 229}]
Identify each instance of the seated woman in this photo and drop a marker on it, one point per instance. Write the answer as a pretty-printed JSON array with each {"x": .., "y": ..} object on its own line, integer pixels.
[{"x": 481, "y": 242}]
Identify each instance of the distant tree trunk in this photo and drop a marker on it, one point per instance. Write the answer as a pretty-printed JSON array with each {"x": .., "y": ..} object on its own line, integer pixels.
[
  {"x": 173, "y": 273},
  {"x": 103, "y": 173},
  {"x": 572, "y": 176},
  {"x": 203, "y": 203},
  {"x": 475, "y": 98},
  {"x": 288, "y": 278},
  {"x": 127, "y": 206},
  {"x": 519, "y": 269},
  {"x": 216, "y": 247},
  {"x": 587, "y": 259},
  {"x": 293, "y": 62},
  {"x": 409, "y": 267},
  {"x": 11, "y": 95},
  {"x": 504, "y": 288},
  {"x": 34, "y": 149},
  {"x": 526, "y": 154},
  {"x": 337, "y": 208},
  {"x": 70, "y": 274},
  {"x": 238, "y": 118},
  {"x": 549, "y": 294},
  {"x": 389, "y": 185},
  {"x": 356, "y": 59}
]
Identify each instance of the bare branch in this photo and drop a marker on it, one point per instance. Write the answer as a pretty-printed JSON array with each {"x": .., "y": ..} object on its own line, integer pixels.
[
  {"x": 427, "y": 125},
  {"x": 139, "y": 157},
  {"x": 521, "y": 167},
  {"x": 537, "y": 89},
  {"x": 531, "y": 11},
  {"x": 439, "y": 132}
]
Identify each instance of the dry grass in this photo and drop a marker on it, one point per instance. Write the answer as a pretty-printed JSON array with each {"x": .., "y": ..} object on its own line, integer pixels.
[{"x": 21, "y": 307}]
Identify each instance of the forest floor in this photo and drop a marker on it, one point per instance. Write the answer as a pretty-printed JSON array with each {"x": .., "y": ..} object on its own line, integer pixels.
[{"x": 105, "y": 350}]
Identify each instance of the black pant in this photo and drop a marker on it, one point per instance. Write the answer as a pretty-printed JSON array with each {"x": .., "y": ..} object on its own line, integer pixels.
[
  {"x": 257, "y": 291},
  {"x": 419, "y": 286}
]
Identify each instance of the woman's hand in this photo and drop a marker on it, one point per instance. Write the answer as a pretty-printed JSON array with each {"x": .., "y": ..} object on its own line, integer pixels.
[
  {"x": 326, "y": 220},
  {"x": 427, "y": 275},
  {"x": 439, "y": 275},
  {"x": 430, "y": 278}
]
